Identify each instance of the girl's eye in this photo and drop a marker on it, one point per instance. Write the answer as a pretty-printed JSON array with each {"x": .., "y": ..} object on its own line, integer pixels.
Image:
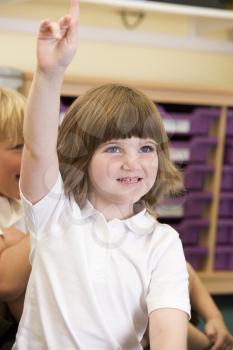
[
  {"x": 18, "y": 147},
  {"x": 147, "y": 149},
  {"x": 112, "y": 149}
]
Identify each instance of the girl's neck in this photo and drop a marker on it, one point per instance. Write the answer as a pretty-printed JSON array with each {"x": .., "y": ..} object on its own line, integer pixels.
[{"x": 112, "y": 210}]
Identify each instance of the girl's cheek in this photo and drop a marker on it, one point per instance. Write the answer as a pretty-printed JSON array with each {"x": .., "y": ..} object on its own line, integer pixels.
[
  {"x": 16, "y": 161},
  {"x": 152, "y": 161}
]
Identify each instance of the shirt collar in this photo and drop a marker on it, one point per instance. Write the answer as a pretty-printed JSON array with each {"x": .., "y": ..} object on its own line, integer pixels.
[
  {"x": 11, "y": 212},
  {"x": 141, "y": 223}
]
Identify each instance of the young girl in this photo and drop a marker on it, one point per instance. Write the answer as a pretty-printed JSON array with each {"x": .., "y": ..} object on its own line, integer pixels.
[
  {"x": 102, "y": 266},
  {"x": 12, "y": 106},
  {"x": 12, "y": 224}
]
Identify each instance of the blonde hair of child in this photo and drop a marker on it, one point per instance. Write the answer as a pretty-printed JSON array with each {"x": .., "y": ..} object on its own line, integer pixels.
[
  {"x": 105, "y": 113},
  {"x": 11, "y": 115}
]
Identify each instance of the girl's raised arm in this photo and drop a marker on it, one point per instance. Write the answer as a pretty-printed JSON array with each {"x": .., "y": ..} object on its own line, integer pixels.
[{"x": 56, "y": 46}]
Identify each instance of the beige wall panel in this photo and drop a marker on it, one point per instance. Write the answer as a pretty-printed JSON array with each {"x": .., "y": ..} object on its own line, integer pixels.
[
  {"x": 127, "y": 61},
  {"x": 118, "y": 61}
]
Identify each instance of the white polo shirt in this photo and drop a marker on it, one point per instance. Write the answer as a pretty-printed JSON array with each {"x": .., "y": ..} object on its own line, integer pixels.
[
  {"x": 93, "y": 283},
  {"x": 11, "y": 214}
]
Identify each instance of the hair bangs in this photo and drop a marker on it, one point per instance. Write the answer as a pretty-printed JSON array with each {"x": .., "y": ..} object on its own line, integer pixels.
[
  {"x": 116, "y": 112},
  {"x": 128, "y": 121},
  {"x": 11, "y": 124},
  {"x": 11, "y": 116}
]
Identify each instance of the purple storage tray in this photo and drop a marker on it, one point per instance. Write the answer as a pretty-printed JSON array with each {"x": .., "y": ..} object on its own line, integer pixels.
[
  {"x": 195, "y": 256},
  {"x": 227, "y": 178},
  {"x": 226, "y": 205},
  {"x": 203, "y": 118},
  {"x": 195, "y": 175},
  {"x": 229, "y": 127},
  {"x": 224, "y": 258},
  {"x": 196, "y": 203},
  {"x": 190, "y": 230},
  {"x": 196, "y": 151},
  {"x": 225, "y": 232},
  {"x": 63, "y": 109},
  {"x": 197, "y": 122},
  {"x": 228, "y": 156}
]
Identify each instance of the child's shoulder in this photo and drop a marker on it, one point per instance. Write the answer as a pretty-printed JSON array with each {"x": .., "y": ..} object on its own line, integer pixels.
[
  {"x": 162, "y": 241},
  {"x": 165, "y": 228},
  {"x": 144, "y": 222},
  {"x": 147, "y": 225},
  {"x": 164, "y": 231}
]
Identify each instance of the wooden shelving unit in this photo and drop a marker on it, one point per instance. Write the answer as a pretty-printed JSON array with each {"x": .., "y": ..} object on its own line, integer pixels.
[{"x": 215, "y": 281}]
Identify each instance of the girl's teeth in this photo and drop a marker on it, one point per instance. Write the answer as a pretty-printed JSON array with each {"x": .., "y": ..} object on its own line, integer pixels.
[{"x": 129, "y": 180}]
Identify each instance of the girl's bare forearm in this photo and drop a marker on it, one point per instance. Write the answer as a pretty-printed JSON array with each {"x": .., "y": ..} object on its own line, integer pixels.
[
  {"x": 39, "y": 168},
  {"x": 200, "y": 298},
  {"x": 14, "y": 270},
  {"x": 197, "y": 340},
  {"x": 42, "y": 113}
]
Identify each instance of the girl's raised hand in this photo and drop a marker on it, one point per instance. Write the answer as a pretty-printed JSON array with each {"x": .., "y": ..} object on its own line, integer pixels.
[{"x": 57, "y": 41}]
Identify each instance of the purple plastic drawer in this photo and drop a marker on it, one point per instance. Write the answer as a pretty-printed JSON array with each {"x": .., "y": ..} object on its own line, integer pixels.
[
  {"x": 197, "y": 122},
  {"x": 197, "y": 150},
  {"x": 229, "y": 127},
  {"x": 225, "y": 232},
  {"x": 195, "y": 256},
  {"x": 203, "y": 119},
  {"x": 228, "y": 156},
  {"x": 195, "y": 175},
  {"x": 224, "y": 258},
  {"x": 227, "y": 178},
  {"x": 190, "y": 230},
  {"x": 63, "y": 109},
  {"x": 226, "y": 205},
  {"x": 193, "y": 204},
  {"x": 196, "y": 203}
]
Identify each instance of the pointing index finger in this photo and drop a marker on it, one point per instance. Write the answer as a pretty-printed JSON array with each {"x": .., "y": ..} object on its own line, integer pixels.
[{"x": 74, "y": 10}]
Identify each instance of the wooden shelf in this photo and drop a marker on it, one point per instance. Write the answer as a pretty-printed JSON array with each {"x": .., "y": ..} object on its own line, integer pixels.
[
  {"x": 218, "y": 282},
  {"x": 159, "y": 92}
]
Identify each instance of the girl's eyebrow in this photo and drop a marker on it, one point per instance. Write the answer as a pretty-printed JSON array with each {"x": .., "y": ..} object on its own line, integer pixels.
[
  {"x": 112, "y": 141},
  {"x": 149, "y": 142},
  {"x": 143, "y": 141}
]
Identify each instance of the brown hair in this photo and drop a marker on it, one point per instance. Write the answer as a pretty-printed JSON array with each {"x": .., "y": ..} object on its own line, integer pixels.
[
  {"x": 109, "y": 112},
  {"x": 12, "y": 105}
]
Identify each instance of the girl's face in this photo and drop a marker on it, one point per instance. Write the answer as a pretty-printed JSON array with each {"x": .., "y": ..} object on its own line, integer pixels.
[
  {"x": 122, "y": 171},
  {"x": 10, "y": 160}
]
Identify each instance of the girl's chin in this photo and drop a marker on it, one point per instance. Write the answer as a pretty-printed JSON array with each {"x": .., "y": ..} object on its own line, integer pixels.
[{"x": 15, "y": 194}]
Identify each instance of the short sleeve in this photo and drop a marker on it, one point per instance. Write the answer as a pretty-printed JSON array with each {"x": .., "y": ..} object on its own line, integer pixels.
[
  {"x": 42, "y": 214},
  {"x": 169, "y": 280}
]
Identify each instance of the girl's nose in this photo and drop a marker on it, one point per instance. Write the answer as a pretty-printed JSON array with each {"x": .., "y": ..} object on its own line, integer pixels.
[{"x": 130, "y": 162}]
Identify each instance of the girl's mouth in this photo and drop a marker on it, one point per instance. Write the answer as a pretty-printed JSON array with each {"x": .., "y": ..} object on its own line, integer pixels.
[{"x": 129, "y": 180}]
